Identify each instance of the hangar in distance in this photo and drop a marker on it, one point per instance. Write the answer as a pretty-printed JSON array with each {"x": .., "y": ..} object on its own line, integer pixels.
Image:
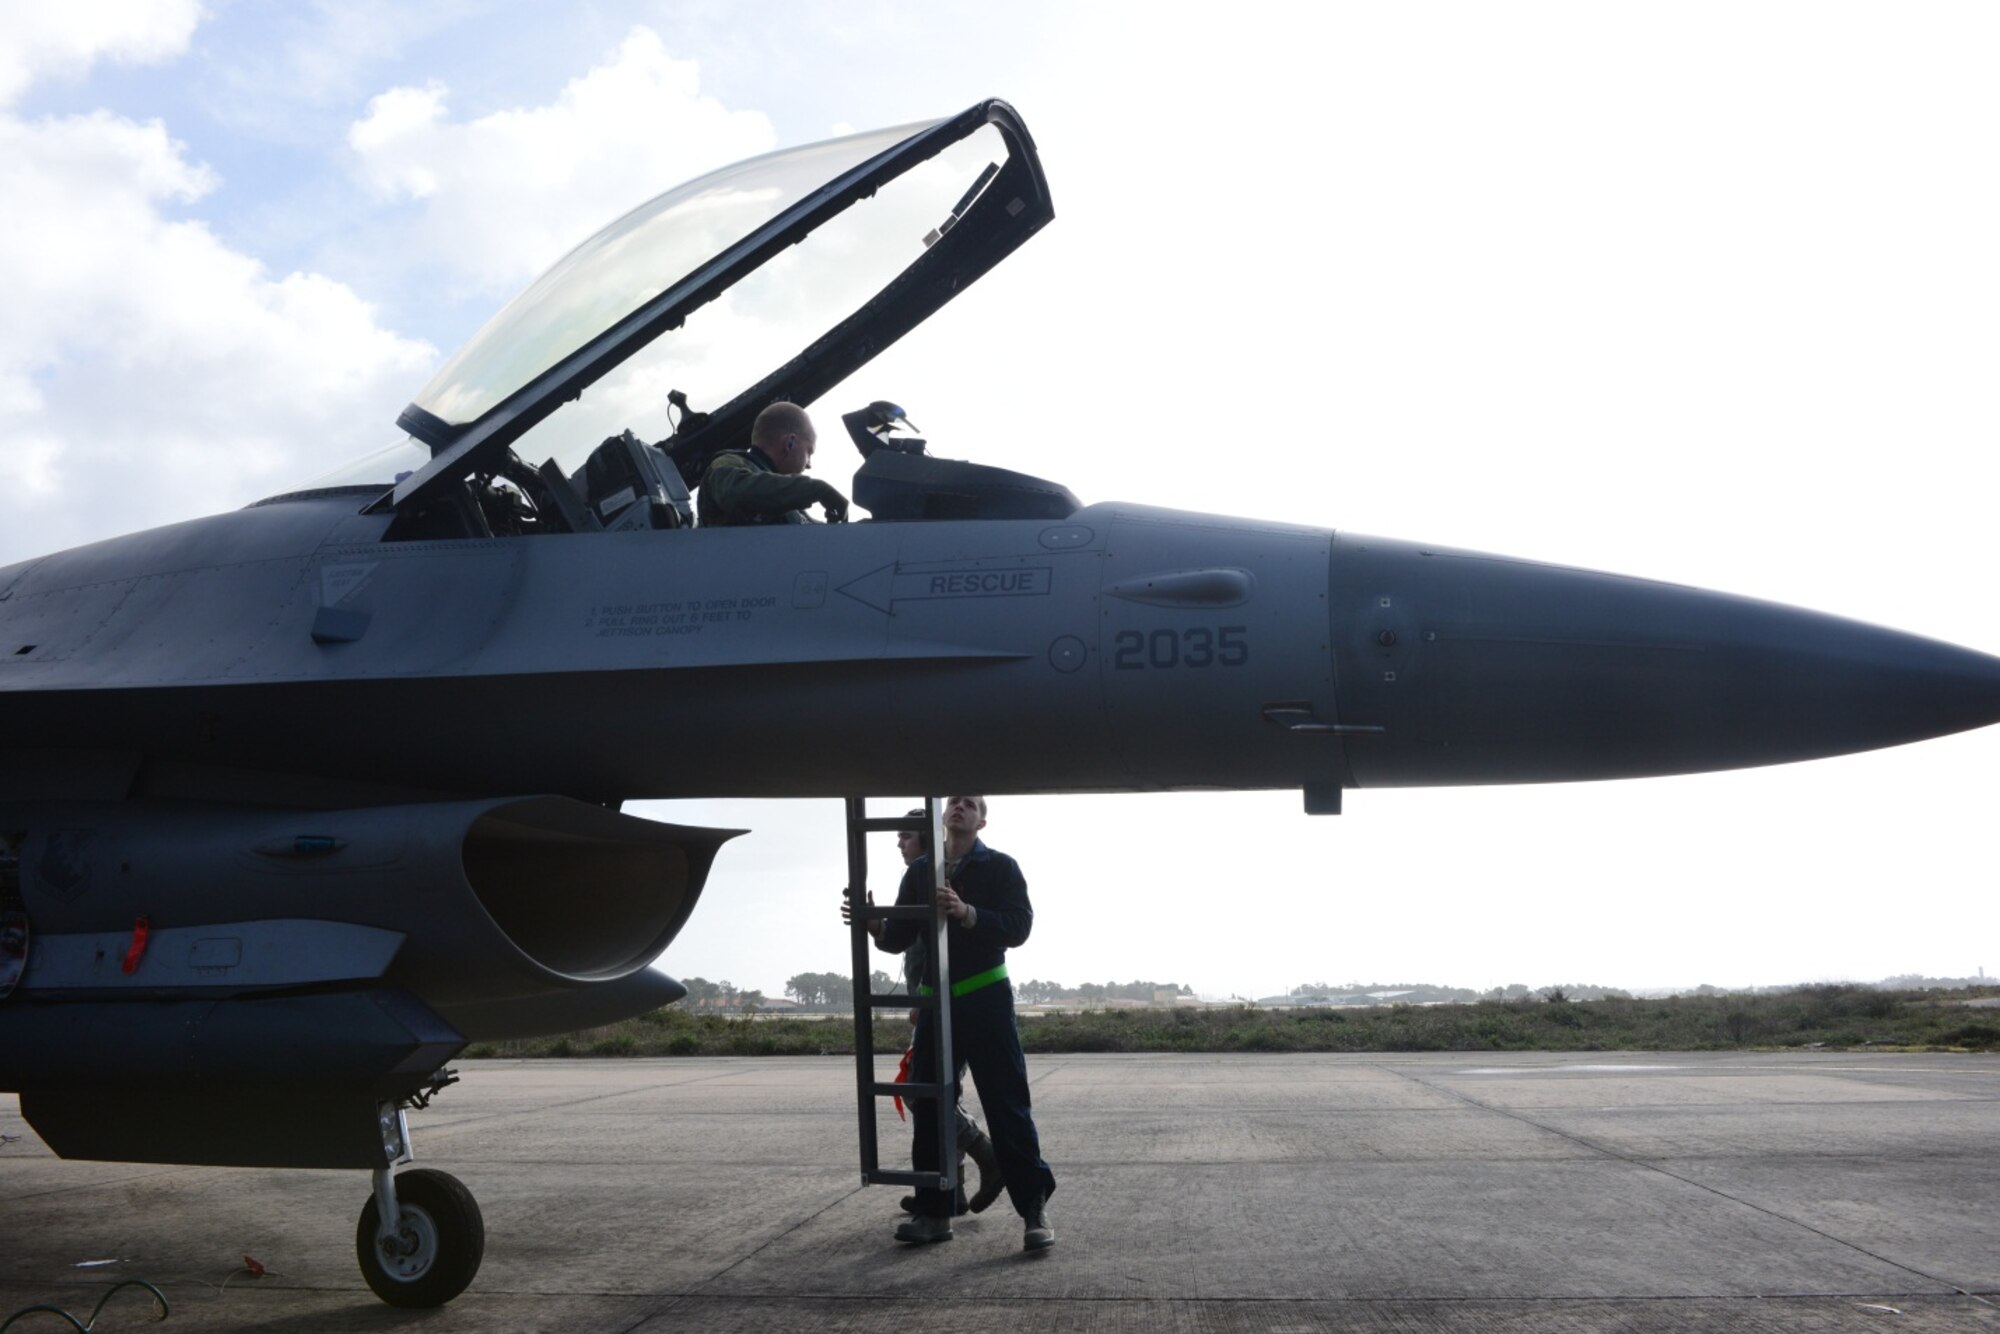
[{"x": 298, "y": 800}]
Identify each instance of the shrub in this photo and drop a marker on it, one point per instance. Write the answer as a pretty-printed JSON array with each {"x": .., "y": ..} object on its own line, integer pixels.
[{"x": 1833, "y": 1015}]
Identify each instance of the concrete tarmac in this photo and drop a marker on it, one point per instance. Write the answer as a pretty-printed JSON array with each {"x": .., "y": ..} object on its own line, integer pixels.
[{"x": 1450, "y": 1191}]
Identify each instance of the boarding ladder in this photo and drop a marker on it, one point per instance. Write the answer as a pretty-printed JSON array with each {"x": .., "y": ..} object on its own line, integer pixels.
[{"x": 869, "y": 1090}]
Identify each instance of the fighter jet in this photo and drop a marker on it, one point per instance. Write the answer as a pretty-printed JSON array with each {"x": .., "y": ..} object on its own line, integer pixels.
[{"x": 297, "y": 801}]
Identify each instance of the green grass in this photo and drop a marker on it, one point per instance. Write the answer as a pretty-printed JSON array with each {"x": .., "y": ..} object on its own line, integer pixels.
[{"x": 1835, "y": 1016}]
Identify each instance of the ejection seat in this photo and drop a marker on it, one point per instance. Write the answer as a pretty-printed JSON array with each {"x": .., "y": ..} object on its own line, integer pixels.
[{"x": 628, "y": 484}]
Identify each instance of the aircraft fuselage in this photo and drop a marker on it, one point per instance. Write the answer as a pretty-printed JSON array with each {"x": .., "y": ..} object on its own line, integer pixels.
[{"x": 1121, "y": 649}]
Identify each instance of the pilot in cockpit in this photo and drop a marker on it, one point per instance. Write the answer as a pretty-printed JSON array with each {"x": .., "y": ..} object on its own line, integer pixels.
[{"x": 766, "y": 483}]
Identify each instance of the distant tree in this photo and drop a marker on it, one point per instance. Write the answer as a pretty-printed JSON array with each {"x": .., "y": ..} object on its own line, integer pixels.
[
  {"x": 1582, "y": 991},
  {"x": 832, "y": 991},
  {"x": 751, "y": 1001},
  {"x": 701, "y": 991},
  {"x": 882, "y": 984}
]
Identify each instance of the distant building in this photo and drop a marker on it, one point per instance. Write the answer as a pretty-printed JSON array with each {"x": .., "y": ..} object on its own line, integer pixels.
[{"x": 1304, "y": 1000}]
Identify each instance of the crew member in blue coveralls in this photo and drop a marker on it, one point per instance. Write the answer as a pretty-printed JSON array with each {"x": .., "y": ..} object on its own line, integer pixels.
[
  {"x": 985, "y": 902},
  {"x": 971, "y": 1139}
]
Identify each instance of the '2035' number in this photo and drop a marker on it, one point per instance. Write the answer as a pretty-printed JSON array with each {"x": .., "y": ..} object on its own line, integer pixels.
[{"x": 1196, "y": 646}]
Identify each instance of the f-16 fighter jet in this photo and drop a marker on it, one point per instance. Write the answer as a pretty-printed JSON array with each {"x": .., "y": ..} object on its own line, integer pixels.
[{"x": 297, "y": 801}]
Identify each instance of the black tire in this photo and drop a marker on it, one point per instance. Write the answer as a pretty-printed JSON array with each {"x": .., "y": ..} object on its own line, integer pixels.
[{"x": 447, "y": 1236}]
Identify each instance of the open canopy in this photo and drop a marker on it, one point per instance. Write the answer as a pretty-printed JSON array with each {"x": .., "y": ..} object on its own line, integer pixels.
[{"x": 774, "y": 278}]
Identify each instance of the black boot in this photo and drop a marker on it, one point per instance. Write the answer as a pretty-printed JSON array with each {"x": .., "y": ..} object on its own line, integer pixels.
[
  {"x": 1036, "y": 1234},
  {"x": 919, "y": 1229},
  {"x": 908, "y": 1204},
  {"x": 990, "y": 1182}
]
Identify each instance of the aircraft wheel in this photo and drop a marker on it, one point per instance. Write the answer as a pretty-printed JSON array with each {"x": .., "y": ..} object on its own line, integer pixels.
[{"x": 437, "y": 1247}]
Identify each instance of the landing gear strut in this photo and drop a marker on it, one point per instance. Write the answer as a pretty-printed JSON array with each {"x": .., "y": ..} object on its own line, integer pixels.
[{"x": 421, "y": 1236}]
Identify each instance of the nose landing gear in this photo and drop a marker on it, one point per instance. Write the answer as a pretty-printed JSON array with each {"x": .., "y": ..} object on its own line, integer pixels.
[{"x": 421, "y": 1236}]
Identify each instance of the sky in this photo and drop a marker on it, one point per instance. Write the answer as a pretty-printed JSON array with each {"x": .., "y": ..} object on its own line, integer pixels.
[{"x": 1703, "y": 292}]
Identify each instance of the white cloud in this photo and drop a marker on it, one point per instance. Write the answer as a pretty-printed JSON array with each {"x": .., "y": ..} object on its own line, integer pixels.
[
  {"x": 63, "y": 40},
  {"x": 398, "y": 120},
  {"x": 151, "y": 363},
  {"x": 502, "y": 196}
]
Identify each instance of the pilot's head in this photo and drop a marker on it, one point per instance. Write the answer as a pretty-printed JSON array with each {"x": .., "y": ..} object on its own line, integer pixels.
[{"x": 784, "y": 434}]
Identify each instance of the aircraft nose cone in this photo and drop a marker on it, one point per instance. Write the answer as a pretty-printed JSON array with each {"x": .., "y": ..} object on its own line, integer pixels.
[{"x": 1487, "y": 670}]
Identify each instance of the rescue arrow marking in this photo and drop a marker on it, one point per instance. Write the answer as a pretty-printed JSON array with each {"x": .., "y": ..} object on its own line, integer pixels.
[{"x": 883, "y": 587}]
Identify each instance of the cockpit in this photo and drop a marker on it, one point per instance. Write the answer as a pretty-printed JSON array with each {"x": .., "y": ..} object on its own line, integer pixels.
[{"x": 771, "y": 279}]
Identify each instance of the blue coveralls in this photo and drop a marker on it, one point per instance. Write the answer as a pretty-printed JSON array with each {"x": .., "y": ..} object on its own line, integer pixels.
[{"x": 983, "y": 1036}]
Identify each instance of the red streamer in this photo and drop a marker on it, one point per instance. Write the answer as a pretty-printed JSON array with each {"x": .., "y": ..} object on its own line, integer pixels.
[
  {"x": 141, "y": 929},
  {"x": 903, "y": 1077}
]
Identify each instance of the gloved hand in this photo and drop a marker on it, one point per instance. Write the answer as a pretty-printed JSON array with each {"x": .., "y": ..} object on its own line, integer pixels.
[{"x": 830, "y": 500}]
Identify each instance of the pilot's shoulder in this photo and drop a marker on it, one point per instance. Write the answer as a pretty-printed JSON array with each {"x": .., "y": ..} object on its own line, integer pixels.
[{"x": 729, "y": 460}]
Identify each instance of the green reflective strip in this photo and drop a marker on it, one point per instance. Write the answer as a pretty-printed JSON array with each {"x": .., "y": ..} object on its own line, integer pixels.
[
  {"x": 985, "y": 979},
  {"x": 969, "y": 985}
]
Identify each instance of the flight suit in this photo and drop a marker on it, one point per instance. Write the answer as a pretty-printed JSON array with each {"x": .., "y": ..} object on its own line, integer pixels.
[
  {"x": 741, "y": 487},
  {"x": 983, "y": 1036}
]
